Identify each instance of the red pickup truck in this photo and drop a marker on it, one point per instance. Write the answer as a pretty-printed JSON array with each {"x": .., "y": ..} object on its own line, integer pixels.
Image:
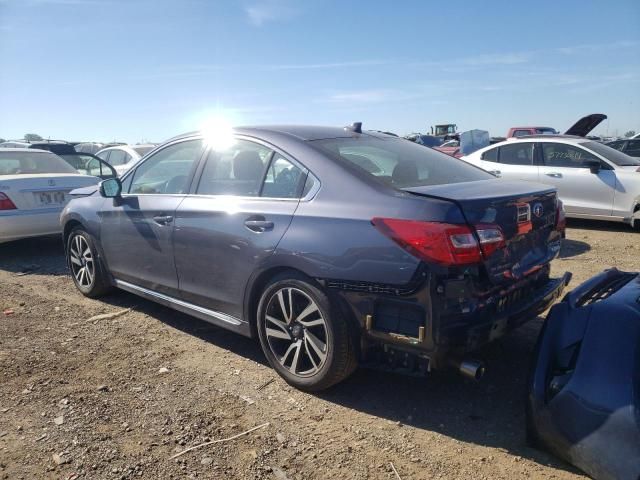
[{"x": 581, "y": 128}]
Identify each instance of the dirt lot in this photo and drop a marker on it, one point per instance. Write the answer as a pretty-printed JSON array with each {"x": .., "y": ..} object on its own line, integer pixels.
[{"x": 116, "y": 398}]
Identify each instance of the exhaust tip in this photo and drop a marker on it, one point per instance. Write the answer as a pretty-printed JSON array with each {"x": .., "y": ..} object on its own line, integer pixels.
[{"x": 472, "y": 369}]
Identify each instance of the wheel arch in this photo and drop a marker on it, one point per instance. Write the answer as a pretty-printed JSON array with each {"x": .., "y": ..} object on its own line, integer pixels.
[{"x": 259, "y": 281}]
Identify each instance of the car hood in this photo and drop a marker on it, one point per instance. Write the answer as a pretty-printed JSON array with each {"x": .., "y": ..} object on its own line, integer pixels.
[
  {"x": 84, "y": 191},
  {"x": 583, "y": 126}
]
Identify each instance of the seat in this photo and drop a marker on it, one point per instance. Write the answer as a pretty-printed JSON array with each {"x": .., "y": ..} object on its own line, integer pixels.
[
  {"x": 247, "y": 171},
  {"x": 405, "y": 173}
]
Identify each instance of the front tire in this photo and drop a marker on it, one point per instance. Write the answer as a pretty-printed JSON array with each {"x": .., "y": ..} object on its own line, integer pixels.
[
  {"x": 85, "y": 264},
  {"x": 304, "y": 337}
]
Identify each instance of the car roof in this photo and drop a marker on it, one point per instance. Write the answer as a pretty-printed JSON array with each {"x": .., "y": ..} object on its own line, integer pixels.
[
  {"x": 25, "y": 150},
  {"x": 549, "y": 138},
  {"x": 300, "y": 132}
]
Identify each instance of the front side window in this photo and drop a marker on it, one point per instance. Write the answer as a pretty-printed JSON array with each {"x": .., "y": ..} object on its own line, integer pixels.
[
  {"x": 398, "y": 163},
  {"x": 617, "y": 145},
  {"x": 633, "y": 148},
  {"x": 167, "y": 171},
  {"x": 564, "y": 155},
  {"x": 517, "y": 154},
  {"x": 237, "y": 170}
]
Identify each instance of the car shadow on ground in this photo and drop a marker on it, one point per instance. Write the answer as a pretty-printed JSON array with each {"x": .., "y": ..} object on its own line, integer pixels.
[
  {"x": 600, "y": 225},
  {"x": 490, "y": 412},
  {"x": 573, "y": 248}
]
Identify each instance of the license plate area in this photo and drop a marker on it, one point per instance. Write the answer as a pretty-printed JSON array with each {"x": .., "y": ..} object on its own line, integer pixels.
[{"x": 51, "y": 198}]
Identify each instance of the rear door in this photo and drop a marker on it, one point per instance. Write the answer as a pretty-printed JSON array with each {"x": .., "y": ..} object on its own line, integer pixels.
[
  {"x": 566, "y": 167},
  {"x": 243, "y": 203},
  {"x": 137, "y": 230}
]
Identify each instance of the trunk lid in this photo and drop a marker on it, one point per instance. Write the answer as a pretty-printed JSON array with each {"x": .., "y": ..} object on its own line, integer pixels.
[
  {"x": 42, "y": 191},
  {"x": 525, "y": 212},
  {"x": 583, "y": 126}
]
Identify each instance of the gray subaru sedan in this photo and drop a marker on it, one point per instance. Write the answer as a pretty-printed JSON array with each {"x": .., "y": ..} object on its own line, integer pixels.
[{"x": 333, "y": 246}]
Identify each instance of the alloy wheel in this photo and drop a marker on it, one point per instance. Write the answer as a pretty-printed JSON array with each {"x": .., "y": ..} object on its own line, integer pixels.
[
  {"x": 296, "y": 331},
  {"x": 81, "y": 261}
]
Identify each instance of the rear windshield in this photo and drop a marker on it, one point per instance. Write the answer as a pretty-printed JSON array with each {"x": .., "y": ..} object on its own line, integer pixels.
[
  {"x": 142, "y": 151},
  {"x": 546, "y": 131},
  {"x": 16, "y": 163},
  {"x": 613, "y": 155},
  {"x": 400, "y": 163}
]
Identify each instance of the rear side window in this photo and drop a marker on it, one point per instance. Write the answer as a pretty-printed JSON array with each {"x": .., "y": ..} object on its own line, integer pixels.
[
  {"x": 564, "y": 155},
  {"x": 283, "y": 179},
  {"x": 399, "y": 163},
  {"x": 238, "y": 170},
  {"x": 516, "y": 154},
  {"x": 117, "y": 157},
  {"x": 490, "y": 155},
  {"x": 521, "y": 133},
  {"x": 16, "y": 163}
]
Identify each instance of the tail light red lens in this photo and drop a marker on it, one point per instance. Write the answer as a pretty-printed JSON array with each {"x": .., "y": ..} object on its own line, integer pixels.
[
  {"x": 443, "y": 243},
  {"x": 561, "y": 219},
  {"x": 6, "y": 203}
]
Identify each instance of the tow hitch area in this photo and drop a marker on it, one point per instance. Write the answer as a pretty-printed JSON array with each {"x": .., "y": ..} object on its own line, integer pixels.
[{"x": 584, "y": 387}]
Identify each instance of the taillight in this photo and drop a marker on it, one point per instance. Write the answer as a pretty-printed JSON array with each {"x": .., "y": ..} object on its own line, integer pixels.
[
  {"x": 561, "y": 219},
  {"x": 444, "y": 243},
  {"x": 491, "y": 238},
  {"x": 6, "y": 203}
]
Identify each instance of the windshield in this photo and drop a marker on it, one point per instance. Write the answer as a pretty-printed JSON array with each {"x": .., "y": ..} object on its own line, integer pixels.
[
  {"x": 400, "y": 163},
  {"x": 25, "y": 163},
  {"x": 613, "y": 155},
  {"x": 142, "y": 151}
]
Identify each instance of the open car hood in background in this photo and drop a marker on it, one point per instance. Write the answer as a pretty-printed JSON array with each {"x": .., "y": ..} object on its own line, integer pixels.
[{"x": 583, "y": 126}]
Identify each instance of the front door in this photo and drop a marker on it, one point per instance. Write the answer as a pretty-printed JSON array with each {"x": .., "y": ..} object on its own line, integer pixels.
[
  {"x": 243, "y": 204},
  {"x": 565, "y": 166},
  {"x": 137, "y": 230}
]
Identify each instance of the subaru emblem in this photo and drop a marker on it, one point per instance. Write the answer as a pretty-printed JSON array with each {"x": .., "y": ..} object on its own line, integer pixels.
[
  {"x": 538, "y": 210},
  {"x": 52, "y": 183}
]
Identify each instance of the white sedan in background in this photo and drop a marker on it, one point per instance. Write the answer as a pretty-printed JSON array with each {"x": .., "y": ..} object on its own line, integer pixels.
[
  {"x": 122, "y": 157},
  {"x": 594, "y": 181},
  {"x": 34, "y": 188}
]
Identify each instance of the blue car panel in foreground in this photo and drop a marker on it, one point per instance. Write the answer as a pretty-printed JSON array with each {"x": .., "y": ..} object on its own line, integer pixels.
[
  {"x": 584, "y": 391},
  {"x": 331, "y": 245}
]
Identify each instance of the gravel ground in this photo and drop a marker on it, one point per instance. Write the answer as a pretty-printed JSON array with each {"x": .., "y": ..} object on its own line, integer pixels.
[{"x": 116, "y": 398}]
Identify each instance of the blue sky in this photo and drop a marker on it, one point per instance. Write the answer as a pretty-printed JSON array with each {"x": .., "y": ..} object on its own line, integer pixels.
[{"x": 147, "y": 70}]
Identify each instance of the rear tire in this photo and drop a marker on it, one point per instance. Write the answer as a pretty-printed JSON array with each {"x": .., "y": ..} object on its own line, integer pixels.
[
  {"x": 87, "y": 270},
  {"x": 305, "y": 338}
]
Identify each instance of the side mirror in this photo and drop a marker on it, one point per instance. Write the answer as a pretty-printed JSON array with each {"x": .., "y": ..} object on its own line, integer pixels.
[
  {"x": 593, "y": 165},
  {"x": 111, "y": 188}
]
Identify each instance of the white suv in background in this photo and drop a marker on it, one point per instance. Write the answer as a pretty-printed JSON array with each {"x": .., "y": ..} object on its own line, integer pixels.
[
  {"x": 122, "y": 157},
  {"x": 594, "y": 181}
]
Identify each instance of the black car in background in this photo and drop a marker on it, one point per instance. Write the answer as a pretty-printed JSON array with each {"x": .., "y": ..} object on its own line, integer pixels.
[{"x": 631, "y": 146}]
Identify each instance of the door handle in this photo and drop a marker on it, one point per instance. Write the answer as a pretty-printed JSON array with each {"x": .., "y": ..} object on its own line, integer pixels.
[
  {"x": 258, "y": 225},
  {"x": 497, "y": 173},
  {"x": 163, "y": 219},
  {"x": 554, "y": 174}
]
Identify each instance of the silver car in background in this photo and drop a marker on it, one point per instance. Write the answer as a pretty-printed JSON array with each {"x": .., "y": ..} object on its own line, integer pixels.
[
  {"x": 34, "y": 188},
  {"x": 122, "y": 157},
  {"x": 594, "y": 181}
]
